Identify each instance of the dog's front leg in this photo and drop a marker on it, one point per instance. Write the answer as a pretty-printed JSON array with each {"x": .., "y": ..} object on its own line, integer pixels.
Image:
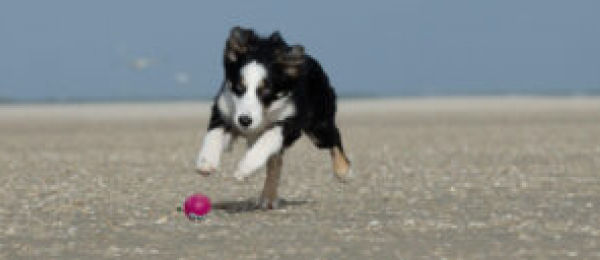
[
  {"x": 268, "y": 144},
  {"x": 215, "y": 141}
]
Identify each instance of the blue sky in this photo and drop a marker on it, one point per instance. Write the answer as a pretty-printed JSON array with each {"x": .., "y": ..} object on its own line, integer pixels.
[{"x": 138, "y": 49}]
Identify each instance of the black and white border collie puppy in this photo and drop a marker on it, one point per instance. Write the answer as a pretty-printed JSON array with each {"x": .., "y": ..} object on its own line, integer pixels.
[{"x": 272, "y": 93}]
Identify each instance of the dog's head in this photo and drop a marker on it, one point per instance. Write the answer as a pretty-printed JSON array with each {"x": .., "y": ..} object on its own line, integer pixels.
[{"x": 258, "y": 75}]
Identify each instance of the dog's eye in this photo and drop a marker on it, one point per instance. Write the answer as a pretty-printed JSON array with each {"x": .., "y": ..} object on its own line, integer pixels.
[
  {"x": 239, "y": 87},
  {"x": 281, "y": 94},
  {"x": 264, "y": 91}
]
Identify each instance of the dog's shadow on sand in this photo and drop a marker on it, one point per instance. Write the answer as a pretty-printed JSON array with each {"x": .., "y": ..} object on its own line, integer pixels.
[{"x": 235, "y": 207}]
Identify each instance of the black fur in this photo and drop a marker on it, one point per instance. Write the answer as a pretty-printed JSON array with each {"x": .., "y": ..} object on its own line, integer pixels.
[{"x": 291, "y": 72}]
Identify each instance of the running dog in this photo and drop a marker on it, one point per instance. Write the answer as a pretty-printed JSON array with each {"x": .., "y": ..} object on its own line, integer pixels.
[{"x": 272, "y": 93}]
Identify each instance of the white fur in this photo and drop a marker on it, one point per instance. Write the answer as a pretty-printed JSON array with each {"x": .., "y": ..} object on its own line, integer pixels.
[
  {"x": 269, "y": 143},
  {"x": 281, "y": 109},
  {"x": 215, "y": 141},
  {"x": 252, "y": 74},
  {"x": 249, "y": 104}
]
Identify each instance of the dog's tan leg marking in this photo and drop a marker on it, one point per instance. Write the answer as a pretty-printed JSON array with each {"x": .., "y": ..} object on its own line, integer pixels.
[
  {"x": 341, "y": 164},
  {"x": 268, "y": 198}
]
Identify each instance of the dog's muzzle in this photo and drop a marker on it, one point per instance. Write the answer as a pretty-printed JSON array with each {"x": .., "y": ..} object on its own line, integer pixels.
[{"x": 244, "y": 121}]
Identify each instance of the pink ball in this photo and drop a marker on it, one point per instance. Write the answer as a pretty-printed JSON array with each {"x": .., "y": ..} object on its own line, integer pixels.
[{"x": 196, "y": 206}]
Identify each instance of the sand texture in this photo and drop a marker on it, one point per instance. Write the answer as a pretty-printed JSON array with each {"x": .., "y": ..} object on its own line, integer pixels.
[{"x": 443, "y": 178}]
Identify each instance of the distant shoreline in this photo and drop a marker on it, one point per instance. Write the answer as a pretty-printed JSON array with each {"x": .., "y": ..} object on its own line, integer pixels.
[{"x": 358, "y": 96}]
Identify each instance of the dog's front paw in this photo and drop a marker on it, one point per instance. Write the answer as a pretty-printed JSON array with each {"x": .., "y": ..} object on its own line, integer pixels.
[
  {"x": 205, "y": 167},
  {"x": 245, "y": 168},
  {"x": 268, "y": 203}
]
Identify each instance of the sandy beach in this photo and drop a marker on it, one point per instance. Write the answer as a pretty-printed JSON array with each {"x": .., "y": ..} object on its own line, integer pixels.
[{"x": 435, "y": 178}]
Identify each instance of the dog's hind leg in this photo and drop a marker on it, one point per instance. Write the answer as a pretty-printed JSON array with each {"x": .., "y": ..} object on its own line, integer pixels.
[
  {"x": 268, "y": 198},
  {"x": 341, "y": 164},
  {"x": 327, "y": 136}
]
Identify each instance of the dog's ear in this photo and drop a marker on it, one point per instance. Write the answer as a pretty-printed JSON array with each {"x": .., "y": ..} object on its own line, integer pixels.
[
  {"x": 291, "y": 59},
  {"x": 276, "y": 37},
  {"x": 237, "y": 43}
]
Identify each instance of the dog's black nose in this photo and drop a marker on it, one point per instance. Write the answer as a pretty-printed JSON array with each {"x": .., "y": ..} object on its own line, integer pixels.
[{"x": 244, "y": 120}]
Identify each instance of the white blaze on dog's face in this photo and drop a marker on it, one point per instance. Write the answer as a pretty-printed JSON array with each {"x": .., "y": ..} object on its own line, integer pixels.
[
  {"x": 248, "y": 114},
  {"x": 251, "y": 101}
]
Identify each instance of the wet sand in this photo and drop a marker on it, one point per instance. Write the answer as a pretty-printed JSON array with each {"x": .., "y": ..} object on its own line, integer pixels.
[{"x": 439, "y": 178}]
